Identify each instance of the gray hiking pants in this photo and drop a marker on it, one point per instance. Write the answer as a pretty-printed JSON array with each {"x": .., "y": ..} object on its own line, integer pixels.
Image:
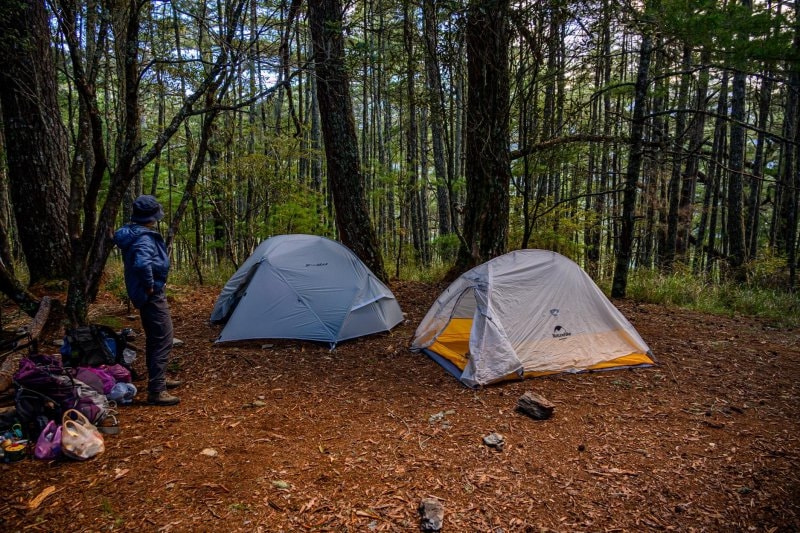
[{"x": 157, "y": 326}]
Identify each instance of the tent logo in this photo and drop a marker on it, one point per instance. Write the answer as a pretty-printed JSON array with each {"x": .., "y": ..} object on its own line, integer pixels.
[
  {"x": 316, "y": 264},
  {"x": 559, "y": 332},
  {"x": 554, "y": 312}
]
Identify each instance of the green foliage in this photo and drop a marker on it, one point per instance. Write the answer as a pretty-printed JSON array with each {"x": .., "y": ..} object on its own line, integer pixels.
[
  {"x": 768, "y": 271},
  {"x": 280, "y": 203},
  {"x": 680, "y": 288},
  {"x": 115, "y": 280},
  {"x": 299, "y": 214},
  {"x": 685, "y": 290},
  {"x": 213, "y": 275},
  {"x": 554, "y": 231},
  {"x": 736, "y": 33},
  {"x": 240, "y": 507},
  {"x": 446, "y": 247},
  {"x": 410, "y": 270}
]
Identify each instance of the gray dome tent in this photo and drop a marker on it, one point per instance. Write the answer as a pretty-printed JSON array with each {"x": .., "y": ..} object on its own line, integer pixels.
[{"x": 304, "y": 287}]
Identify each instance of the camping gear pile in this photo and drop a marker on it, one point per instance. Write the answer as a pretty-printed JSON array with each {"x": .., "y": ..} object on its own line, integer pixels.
[{"x": 65, "y": 404}]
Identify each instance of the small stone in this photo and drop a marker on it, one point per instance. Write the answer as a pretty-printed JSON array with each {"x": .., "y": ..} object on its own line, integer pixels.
[
  {"x": 259, "y": 403},
  {"x": 266, "y": 346},
  {"x": 494, "y": 440},
  {"x": 535, "y": 406},
  {"x": 436, "y": 417},
  {"x": 210, "y": 452},
  {"x": 431, "y": 514},
  {"x": 177, "y": 342}
]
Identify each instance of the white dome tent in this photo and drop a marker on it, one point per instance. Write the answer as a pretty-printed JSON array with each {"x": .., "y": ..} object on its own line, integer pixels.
[{"x": 523, "y": 314}]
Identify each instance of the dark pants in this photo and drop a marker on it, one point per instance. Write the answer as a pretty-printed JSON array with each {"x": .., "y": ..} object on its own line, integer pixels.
[{"x": 157, "y": 326}]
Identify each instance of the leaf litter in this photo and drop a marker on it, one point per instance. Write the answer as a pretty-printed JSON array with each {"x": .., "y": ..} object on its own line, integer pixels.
[{"x": 309, "y": 439}]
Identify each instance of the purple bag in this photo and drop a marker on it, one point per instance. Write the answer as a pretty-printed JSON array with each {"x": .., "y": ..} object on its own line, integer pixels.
[
  {"x": 44, "y": 374},
  {"x": 97, "y": 378},
  {"x": 119, "y": 373},
  {"x": 48, "y": 445}
]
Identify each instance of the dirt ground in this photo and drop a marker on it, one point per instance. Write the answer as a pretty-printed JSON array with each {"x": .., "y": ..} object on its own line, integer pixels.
[{"x": 289, "y": 436}]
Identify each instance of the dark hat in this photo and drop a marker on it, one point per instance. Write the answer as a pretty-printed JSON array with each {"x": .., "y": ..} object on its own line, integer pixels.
[{"x": 146, "y": 209}]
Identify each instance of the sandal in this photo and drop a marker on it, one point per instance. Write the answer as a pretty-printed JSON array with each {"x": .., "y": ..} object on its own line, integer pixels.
[{"x": 109, "y": 425}]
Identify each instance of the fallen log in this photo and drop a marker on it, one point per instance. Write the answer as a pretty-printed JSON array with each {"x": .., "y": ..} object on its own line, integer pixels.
[{"x": 29, "y": 338}]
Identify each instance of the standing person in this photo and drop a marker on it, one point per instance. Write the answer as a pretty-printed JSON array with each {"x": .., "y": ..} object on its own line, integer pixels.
[{"x": 144, "y": 254}]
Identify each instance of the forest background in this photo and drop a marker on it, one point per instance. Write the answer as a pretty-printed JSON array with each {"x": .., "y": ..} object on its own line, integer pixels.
[{"x": 656, "y": 143}]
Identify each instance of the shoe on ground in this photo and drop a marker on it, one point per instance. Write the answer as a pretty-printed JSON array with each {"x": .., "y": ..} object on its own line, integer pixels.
[
  {"x": 162, "y": 398},
  {"x": 173, "y": 383}
]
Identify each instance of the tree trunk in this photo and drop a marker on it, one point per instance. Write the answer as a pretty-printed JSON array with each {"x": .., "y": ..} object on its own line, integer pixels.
[
  {"x": 339, "y": 134},
  {"x": 735, "y": 221},
  {"x": 600, "y": 204},
  {"x": 6, "y": 219},
  {"x": 696, "y": 143},
  {"x": 786, "y": 195},
  {"x": 625, "y": 250},
  {"x": 438, "y": 126},
  {"x": 708, "y": 215},
  {"x": 655, "y": 187},
  {"x": 13, "y": 289},
  {"x": 487, "y": 165},
  {"x": 675, "y": 185},
  {"x": 36, "y": 142},
  {"x": 754, "y": 201},
  {"x": 411, "y": 182}
]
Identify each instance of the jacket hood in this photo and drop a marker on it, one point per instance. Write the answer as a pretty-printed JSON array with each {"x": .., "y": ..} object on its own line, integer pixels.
[{"x": 128, "y": 234}]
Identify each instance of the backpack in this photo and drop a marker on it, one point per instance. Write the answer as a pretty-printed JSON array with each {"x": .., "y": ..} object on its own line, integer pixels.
[
  {"x": 45, "y": 390},
  {"x": 39, "y": 392},
  {"x": 35, "y": 410},
  {"x": 91, "y": 345}
]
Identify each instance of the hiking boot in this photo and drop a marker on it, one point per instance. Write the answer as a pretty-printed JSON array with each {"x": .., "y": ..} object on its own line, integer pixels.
[
  {"x": 173, "y": 383},
  {"x": 162, "y": 398}
]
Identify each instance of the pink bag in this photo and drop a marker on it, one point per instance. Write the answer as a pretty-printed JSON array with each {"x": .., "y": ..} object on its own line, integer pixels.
[{"x": 48, "y": 445}]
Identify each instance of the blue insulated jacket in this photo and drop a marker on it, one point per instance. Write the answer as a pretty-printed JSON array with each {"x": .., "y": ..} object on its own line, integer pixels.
[{"x": 144, "y": 254}]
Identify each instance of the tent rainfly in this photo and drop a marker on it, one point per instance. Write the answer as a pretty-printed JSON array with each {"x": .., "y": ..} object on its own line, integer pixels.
[
  {"x": 304, "y": 287},
  {"x": 527, "y": 313}
]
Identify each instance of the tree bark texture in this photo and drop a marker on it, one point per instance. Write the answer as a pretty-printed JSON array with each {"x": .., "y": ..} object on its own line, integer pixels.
[
  {"x": 339, "y": 135},
  {"x": 36, "y": 140},
  {"x": 6, "y": 218},
  {"x": 625, "y": 250},
  {"x": 438, "y": 125},
  {"x": 735, "y": 221},
  {"x": 787, "y": 196},
  {"x": 487, "y": 161},
  {"x": 675, "y": 182},
  {"x": 696, "y": 142}
]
